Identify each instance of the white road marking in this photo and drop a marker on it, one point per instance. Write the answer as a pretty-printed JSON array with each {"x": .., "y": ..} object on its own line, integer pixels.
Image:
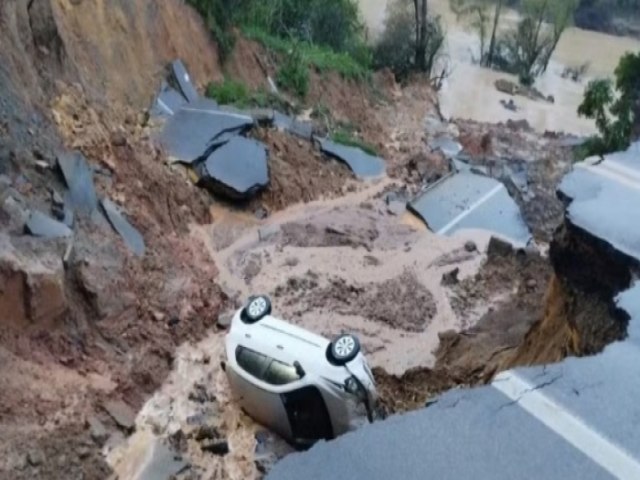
[
  {"x": 613, "y": 458},
  {"x": 218, "y": 113},
  {"x": 162, "y": 104},
  {"x": 470, "y": 209}
]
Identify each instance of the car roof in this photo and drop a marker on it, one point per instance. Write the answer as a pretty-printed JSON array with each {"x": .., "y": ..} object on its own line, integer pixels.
[{"x": 287, "y": 343}]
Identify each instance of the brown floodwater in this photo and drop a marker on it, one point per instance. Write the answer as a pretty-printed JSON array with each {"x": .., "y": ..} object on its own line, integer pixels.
[{"x": 469, "y": 91}]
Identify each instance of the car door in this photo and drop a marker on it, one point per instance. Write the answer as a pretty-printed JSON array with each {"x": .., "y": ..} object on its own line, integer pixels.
[{"x": 259, "y": 382}]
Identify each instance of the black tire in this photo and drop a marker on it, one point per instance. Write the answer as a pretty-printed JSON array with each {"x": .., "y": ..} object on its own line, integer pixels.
[
  {"x": 257, "y": 308},
  {"x": 344, "y": 348}
]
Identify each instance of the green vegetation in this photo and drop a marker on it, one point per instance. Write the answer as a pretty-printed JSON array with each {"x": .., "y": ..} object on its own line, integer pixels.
[
  {"x": 231, "y": 92},
  {"x": 526, "y": 49},
  {"x": 616, "y": 113},
  {"x": 322, "y": 58},
  {"x": 345, "y": 137},
  {"x": 324, "y": 34}
]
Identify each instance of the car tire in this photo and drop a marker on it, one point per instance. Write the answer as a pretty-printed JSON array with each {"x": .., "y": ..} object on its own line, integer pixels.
[
  {"x": 344, "y": 348},
  {"x": 257, "y": 308}
]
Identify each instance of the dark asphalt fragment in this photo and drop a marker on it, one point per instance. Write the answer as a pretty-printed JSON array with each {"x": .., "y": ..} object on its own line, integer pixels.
[{"x": 132, "y": 237}]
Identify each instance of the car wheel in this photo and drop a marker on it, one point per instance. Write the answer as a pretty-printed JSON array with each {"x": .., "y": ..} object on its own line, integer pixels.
[
  {"x": 344, "y": 349},
  {"x": 257, "y": 308}
]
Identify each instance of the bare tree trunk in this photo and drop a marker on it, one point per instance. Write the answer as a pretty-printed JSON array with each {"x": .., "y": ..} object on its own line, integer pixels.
[
  {"x": 492, "y": 43},
  {"x": 421, "y": 34}
]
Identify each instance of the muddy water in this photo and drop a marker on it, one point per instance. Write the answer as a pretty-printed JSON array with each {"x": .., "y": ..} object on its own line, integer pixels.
[{"x": 469, "y": 92}]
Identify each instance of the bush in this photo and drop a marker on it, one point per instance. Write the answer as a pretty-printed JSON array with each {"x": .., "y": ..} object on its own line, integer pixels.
[
  {"x": 322, "y": 58},
  {"x": 293, "y": 74},
  {"x": 229, "y": 92},
  {"x": 396, "y": 48}
]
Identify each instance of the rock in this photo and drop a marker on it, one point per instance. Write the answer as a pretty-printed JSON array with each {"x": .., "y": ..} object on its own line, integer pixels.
[
  {"x": 470, "y": 246},
  {"x": 35, "y": 457},
  {"x": 450, "y": 278},
  {"x": 224, "y": 320},
  {"x": 121, "y": 413},
  {"x": 83, "y": 452},
  {"x": 56, "y": 199},
  {"x": 217, "y": 447},
  {"x": 18, "y": 461},
  {"x": 499, "y": 248},
  {"x": 266, "y": 233},
  {"x": 261, "y": 213},
  {"x": 200, "y": 394},
  {"x": 396, "y": 207},
  {"x": 118, "y": 139},
  {"x": 291, "y": 261},
  {"x": 97, "y": 431},
  {"x": 206, "y": 432},
  {"x": 532, "y": 283}
]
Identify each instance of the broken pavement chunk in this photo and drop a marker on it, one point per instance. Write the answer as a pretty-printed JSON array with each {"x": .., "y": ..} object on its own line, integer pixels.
[
  {"x": 168, "y": 101},
  {"x": 446, "y": 145},
  {"x": 79, "y": 179},
  {"x": 41, "y": 225},
  {"x": 292, "y": 125},
  {"x": 238, "y": 168},
  {"x": 132, "y": 238},
  {"x": 183, "y": 79},
  {"x": 360, "y": 162},
  {"x": 469, "y": 201},
  {"x": 191, "y": 131}
]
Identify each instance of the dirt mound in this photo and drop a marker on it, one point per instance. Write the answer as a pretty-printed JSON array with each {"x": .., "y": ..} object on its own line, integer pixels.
[
  {"x": 402, "y": 302},
  {"x": 298, "y": 172}
]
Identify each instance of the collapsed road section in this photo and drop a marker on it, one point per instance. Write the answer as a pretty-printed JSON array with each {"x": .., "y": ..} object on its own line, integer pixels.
[
  {"x": 572, "y": 419},
  {"x": 213, "y": 139}
]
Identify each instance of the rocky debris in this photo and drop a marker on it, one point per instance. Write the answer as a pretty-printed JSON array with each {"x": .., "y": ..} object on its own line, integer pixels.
[
  {"x": 451, "y": 277},
  {"x": 33, "y": 290},
  {"x": 35, "y": 458},
  {"x": 512, "y": 88},
  {"x": 361, "y": 163},
  {"x": 449, "y": 147},
  {"x": 470, "y": 246},
  {"x": 121, "y": 413},
  {"x": 97, "y": 431},
  {"x": 499, "y": 248},
  {"x": 402, "y": 302},
  {"x": 224, "y": 320},
  {"x": 200, "y": 394},
  {"x": 211, "y": 440}
]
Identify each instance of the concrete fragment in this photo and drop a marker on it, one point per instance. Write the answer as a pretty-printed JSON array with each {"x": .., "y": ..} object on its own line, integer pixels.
[
  {"x": 132, "y": 237},
  {"x": 79, "y": 179},
  {"x": 238, "y": 169},
  {"x": 360, "y": 162},
  {"x": 41, "y": 225},
  {"x": 121, "y": 413},
  {"x": 183, "y": 80}
]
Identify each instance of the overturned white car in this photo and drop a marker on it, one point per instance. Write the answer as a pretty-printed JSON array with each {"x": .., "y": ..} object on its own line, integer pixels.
[{"x": 299, "y": 384}]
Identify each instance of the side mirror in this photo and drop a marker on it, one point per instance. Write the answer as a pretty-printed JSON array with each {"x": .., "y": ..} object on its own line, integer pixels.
[{"x": 299, "y": 370}]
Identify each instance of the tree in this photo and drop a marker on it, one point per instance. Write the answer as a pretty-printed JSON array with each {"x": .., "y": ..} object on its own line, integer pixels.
[
  {"x": 478, "y": 12},
  {"x": 420, "y": 7},
  {"x": 406, "y": 45},
  {"x": 616, "y": 113}
]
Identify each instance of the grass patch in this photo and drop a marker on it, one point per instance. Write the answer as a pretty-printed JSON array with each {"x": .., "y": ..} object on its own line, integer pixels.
[
  {"x": 232, "y": 92},
  {"x": 322, "y": 58},
  {"x": 229, "y": 92},
  {"x": 346, "y": 138}
]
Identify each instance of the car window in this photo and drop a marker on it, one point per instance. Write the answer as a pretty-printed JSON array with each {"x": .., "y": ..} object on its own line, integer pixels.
[
  {"x": 252, "y": 362},
  {"x": 280, "y": 373}
]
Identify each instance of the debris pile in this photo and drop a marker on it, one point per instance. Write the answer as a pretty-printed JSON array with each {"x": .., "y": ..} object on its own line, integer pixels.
[{"x": 212, "y": 139}]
